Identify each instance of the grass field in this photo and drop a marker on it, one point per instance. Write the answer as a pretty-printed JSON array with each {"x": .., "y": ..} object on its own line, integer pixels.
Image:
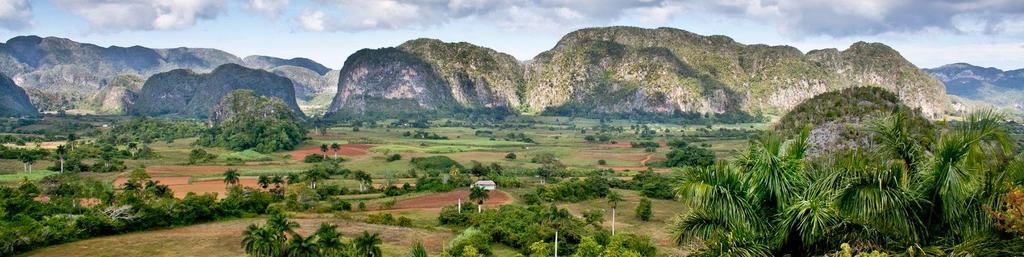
[{"x": 367, "y": 149}]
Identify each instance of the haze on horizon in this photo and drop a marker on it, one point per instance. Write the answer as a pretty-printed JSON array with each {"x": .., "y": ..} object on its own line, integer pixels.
[{"x": 929, "y": 33}]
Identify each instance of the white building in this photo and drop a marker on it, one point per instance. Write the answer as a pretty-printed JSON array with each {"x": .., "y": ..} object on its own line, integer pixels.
[{"x": 486, "y": 184}]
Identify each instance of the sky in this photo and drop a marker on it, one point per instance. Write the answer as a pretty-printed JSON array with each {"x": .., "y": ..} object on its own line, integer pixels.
[{"x": 929, "y": 33}]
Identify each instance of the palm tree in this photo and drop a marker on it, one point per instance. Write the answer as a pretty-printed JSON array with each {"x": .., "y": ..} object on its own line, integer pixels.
[
  {"x": 323, "y": 149},
  {"x": 776, "y": 169},
  {"x": 27, "y": 160},
  {"x": 277, "y": 180},
  {"x": 368, "y": 245},
  {"x": 723, "y": 209},
  {"x": 61, "y": 152},
  {"x": 132, "y": 147},
  {"x": 302, "y": 247},
  {"x": 280, "y": 224},
  {"x": 315, "y": 175},
  {"x": 335, "y": 147},
  {"x": 231, "y": 177},
  {"x": 329, "y": 240},
  {"x": 263, "y": 181},
  {"x": 613, "y": 199},
  {"x": 261, "y": 241},
  {"x": 71, "y": 140},
  {"x": 478, "y": 194},
  {"x": 363, "y": 178}
]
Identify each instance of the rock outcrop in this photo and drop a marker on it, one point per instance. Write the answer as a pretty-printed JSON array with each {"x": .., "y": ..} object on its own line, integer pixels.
[
  {"x": 13, "y": 100},
  {"x": 191, "y": 94}
]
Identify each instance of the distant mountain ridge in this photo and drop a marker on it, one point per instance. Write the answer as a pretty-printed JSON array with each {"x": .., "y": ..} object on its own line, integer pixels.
[
  {"x": 59, "y": 73},
  {"x": 999, "y": 88}
]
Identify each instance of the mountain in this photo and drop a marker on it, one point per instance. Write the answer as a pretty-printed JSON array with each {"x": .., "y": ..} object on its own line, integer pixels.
[
  {"x": 268, "y": 63},
  {"x": 669, "y": 71},
  {"x": 13, "y": 100},
  {"x": 70, "y": 71},
  {"x": 191, "y": 94},
  {"x": 428, "y": 75},
  {"x": 312, "y": 90},
  {"x": 1001, "y": 89},
  {"x": 837, "y": 119},
  {"x": 119, "y": 94}
]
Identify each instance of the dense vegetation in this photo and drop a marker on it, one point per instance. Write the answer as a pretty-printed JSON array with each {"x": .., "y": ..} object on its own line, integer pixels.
[
  {"x": 254, "y": 122},
  {"x": 901, "y": 196}
]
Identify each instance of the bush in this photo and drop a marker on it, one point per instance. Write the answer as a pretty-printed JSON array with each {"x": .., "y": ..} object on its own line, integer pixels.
[
  {"x": 437, "y": 162},
  {"x": 394, "y": 157},
  {"x": 602, "y": 162},
  {"x": 198, "y": 155},
  {"x": 643, "y": 209},
  {"x": 690, "y": 156},
  {"x": 313, "y": 158},
  {"x": 510, "y": 156}
]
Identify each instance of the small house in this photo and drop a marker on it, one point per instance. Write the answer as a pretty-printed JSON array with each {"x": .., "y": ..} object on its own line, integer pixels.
[{"x": 486, "y": 184}]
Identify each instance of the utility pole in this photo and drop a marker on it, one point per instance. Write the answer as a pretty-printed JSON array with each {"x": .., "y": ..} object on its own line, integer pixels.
[{"x": 556, "y": 243}]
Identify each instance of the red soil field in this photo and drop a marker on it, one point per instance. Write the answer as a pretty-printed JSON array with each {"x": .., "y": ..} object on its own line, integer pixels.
[
  {"x": 439, "y": 200},
  {"x": 182, "y": 185},
  {"x": 346, "y": 150}
]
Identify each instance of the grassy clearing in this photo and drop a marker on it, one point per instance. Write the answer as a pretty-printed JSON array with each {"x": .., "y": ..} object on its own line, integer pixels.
[
  {"x": 35, "y": 175},
  {"x": 437, "y": 149}
]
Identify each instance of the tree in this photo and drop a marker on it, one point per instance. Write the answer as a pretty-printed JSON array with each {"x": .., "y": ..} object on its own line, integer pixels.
[
  {"x": 510, "y": 156},
  {"x": 643, "y": 209},
  {"x": 260, "y": 241},
  {"x": 323, "y": 149},
  {"x": 613, "y": 200},
  {"x": 335, "y": 147},
  {"x": 328, "y": 240},
  {"x": 263, "y": 181},
  {"x": 61, "y": 152},
  {"x": 315, "y": 175},
  {"x": 277, "y": 180},
  {"x": 368, "y": 245},
  {"x": 27, "y": 159},
  {"x": 478, "y": 194},
  {"x": 689, "y": 156},
  {"x": 231, "y": 177},
  {"x": 364, "y": 179},
  {"x": 299, "y": 246}
]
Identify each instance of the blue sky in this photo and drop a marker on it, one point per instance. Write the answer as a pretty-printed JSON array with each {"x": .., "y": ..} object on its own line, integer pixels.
[{"x": 927, "y": 32}]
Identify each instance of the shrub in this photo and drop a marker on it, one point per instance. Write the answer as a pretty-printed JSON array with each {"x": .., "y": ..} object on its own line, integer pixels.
[
  {"x": 510, "y": 156},
  {"x": 643, "y": 209},
  {"x": 313, "y": 158},
  {"x": 437, "y": 162},
  {"x": 690, "y": 156},
  {"x": 602, "y": 162},
  {"x": 394, "y": 157},
  {"x": 198, "y": 155}
]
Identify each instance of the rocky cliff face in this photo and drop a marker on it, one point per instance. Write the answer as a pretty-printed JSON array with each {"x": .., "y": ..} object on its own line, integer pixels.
[
  {"x": 987, "y": 86},
  {"x": 626, "y": 69},
  {"x": 13, "y": 100},
  {"x": 74, "y": 72},
  {"x": 119, "y": 93},
  {"x": 187, "y": 93},
  {"x": 427, "y": 74}
]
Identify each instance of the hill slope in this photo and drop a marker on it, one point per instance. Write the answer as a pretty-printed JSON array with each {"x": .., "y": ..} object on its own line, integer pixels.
[
  {"x": 187, "y": 93},
  {"x": 427, "y": 75},
  {"x": 668, "y": 71},
  {"x": 13, "y": 100}
]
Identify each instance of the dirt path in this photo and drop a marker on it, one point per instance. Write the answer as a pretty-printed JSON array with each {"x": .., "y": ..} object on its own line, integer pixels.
[
  {"x": 439, "y": 200},
  {"x": 648, "y": 158}
]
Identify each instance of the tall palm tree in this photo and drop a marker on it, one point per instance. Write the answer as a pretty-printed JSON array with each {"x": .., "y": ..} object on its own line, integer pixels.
[
  {"x": 315, "y": 175},
  {"x": 335, "y": 147},
  {"x": 364, "y": 179},
  {"x": 61, "y": 152},
  {"x": 478, "y": 194},
  {"x": 231, "y": 177},
  {"x": 280, "y": 224},
  {"x": 613, "y": 200},
  {"x": 277, "y": 180},
  {"x": 27, "y": 160},
  {"x": 367, "y": 245},
  {"x": 263, "y": 181},
  {"x": 323, "y": 149},
  {"x": 724, "y": 209}
]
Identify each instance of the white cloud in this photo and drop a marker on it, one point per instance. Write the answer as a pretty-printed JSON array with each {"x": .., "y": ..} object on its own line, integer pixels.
[
  {"x": 270, "y": 8},
  {"x": 120, "y": 15},
  {"x": 15, "y": 14},
  {"x": 312, "y": 20},
  {"x": 359, "y": 15}
]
